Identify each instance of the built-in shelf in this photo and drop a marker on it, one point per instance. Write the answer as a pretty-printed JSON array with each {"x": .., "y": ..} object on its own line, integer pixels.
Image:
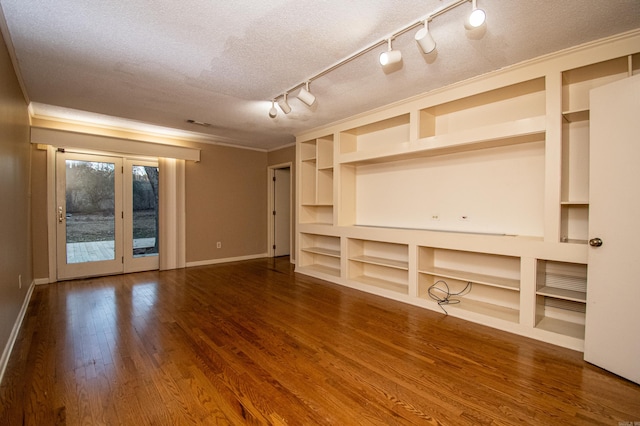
[
  {"x": 495, "y": 280},
  {"x": 485, "y": 182},
  {"x": 503, "y": 134},
  {"x": 378, "y": 263},
  {"x": 575, "y": 203},
  {"x": 316, "y": 180},
  {"x": 389, "y": 263},
  {"x": 320, "y": 253},
  {"x": 576, "y": 116},
  {"x": 566, "y": 328},
  {"x": 561, "y": 292},
  {"x": 490, "y": 280},
  {"x": 376, "y": 136},
  {"x": 487, "y": 309}
]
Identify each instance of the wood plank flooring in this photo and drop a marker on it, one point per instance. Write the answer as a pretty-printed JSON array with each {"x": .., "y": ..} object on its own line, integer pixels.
[{"x": 254, "y": 343}]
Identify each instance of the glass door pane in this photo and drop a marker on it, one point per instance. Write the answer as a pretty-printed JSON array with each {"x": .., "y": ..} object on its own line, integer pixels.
[
  {"x": 90, "y": 211},
  {"x": 145, "y": 211}
]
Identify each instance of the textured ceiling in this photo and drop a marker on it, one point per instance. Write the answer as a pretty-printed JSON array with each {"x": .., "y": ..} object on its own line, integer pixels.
[{"x": 162, "y": 62}]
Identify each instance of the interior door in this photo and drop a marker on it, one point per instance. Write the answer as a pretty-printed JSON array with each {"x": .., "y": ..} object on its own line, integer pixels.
[
  {"x": 612, "y": 331},
  {"x": 282, "y": 211},
  {"x": 89, "y": 215}
]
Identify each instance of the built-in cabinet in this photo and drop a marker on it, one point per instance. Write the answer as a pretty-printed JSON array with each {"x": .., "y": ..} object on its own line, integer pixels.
[
  {"x": 576, "y": 84},
  {"x": 481, "y": 188},
  {"x": 316, "y": 170}
]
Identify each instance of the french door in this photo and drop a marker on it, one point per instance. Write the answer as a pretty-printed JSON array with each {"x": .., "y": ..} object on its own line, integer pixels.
[{"x": 107, "y": 215}]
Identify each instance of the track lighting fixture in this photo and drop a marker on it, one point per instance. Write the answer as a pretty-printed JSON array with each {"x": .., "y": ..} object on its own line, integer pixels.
[
  {"x": 424, "y": 39},
  {"x": 390, "y": 56},
  {"x": 273, "y": 111},
  {"x": 306, "y": 96},
  {"x": 477, "y": 16},
  {"x": 284, "y": 105}
]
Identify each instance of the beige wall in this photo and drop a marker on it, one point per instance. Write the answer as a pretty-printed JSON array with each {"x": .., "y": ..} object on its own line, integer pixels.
[
  {"x": 226, "y": 201},
  {"x": 15, "y": 246},
  {"x": 283, "y": 155}
]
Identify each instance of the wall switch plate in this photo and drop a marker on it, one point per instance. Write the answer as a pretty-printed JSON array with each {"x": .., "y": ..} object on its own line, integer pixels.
[{"x": 219, "y": 244}]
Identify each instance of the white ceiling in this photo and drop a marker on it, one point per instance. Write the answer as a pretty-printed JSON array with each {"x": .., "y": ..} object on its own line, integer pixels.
[{"x": 162, "y": 62}]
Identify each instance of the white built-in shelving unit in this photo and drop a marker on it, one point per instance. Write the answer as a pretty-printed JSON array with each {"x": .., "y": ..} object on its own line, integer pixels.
[{"x": 483, "y": 182}]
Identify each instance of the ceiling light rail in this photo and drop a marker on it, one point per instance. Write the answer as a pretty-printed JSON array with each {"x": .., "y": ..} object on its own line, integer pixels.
[{"x": 424, "y": 39}]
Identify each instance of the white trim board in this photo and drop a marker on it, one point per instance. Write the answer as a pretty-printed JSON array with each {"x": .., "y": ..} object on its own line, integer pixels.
[
  {"x": 6, "y": 353},
  {"x": 226, "y": 260},
  {"x": 67, "y": 139}
]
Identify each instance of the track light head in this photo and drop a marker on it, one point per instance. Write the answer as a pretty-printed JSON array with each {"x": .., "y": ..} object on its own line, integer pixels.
[
  {"x": 306, "y": 96},
  {"x": 424, "y": 39},
  {"x": 273, "y": 111},
  {"x": 390, "y": 56},
  {"x": 284, "y": 105},
  {"x": 477, "y": 16}
]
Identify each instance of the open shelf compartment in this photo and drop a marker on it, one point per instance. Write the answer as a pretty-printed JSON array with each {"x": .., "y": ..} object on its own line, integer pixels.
[
  {"x": 495, "y": 280},
  {"x": 320, "y": 253},
  {"x": 561, "y": 295},
  {"x": 381, "y": 264}
]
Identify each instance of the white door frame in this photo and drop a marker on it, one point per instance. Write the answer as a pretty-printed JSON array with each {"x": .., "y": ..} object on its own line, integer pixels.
[{"x": 271, "y": 205}]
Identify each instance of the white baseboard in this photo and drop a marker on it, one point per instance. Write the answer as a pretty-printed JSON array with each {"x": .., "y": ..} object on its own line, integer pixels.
[
  {"x": 41, "y": 281},
  {"x": 4, "y": 360},
  {"x": 226, "y": 260}
]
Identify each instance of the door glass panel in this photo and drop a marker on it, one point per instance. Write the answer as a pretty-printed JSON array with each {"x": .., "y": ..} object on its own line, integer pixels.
[
  {"x": 145, "y": 211},
  {"x": 90, "y": 211}
]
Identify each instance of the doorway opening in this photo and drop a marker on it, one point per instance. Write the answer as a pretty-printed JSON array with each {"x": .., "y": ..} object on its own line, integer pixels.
[{"x": 280, "y": 191}]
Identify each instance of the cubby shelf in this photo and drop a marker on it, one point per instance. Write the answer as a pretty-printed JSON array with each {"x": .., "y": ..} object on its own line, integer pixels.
[
  {"x": 320, "y": 253},
  {"x": 566, "y": 328},
  {"x": 490, "y": 280},
  {"x": 561, "y": 291},
  {"x": 323, "y": 251},
  {"x": 576, "y": 116},
  {"x": 495, "y": 284},
  {"x": 487, "y": 309},
  {"x": 316, "y": 180},
  {"x": 381, "y": 283},
  {"x": 576, "y": 85},
  {"x": 381, "y": 264},
  {"x": 323, "y": 269},
  {"x": 503, "y": 134},
  {"x": 390, "y": 263}
]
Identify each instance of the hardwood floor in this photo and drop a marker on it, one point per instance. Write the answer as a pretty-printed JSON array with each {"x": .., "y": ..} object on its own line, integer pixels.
[{"x": 254, "y": 343}]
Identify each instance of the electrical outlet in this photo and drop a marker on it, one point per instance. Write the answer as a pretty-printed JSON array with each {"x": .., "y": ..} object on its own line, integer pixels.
[
  {"x": 219, "y": 244},
  {"x": 20, "y": 281}
]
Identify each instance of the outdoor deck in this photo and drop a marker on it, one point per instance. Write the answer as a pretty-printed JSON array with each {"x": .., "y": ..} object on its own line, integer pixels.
[{"x": 100, "y": 250}]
